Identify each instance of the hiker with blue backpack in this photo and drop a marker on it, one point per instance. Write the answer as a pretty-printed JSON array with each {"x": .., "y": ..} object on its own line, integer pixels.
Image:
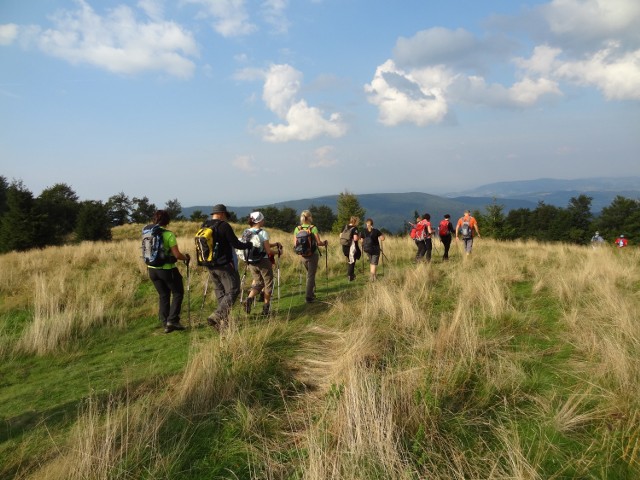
[
  {"x": 306, "y": 240},
  {"x": 259, "y": 261},
  {"x": 465, "y": 228},
  {"x": 160, "y": 252}
]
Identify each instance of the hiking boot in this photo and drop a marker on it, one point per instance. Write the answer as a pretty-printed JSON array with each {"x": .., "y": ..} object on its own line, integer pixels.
[
  {"x": 261, "y": 297},
  {"x": 247, "y": 304},
  {"x": 266, "y": 309},
  {"x": 171, "y": 326},
  {"x": 309, "y": 299},
  {"x": 212, "y": 321}
]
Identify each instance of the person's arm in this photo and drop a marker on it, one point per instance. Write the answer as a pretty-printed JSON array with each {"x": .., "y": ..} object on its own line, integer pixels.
[
  {"x": 475, "y": 225},
  {"x": 226, "y": 230},
  {"x": 319, "y": 242},
  {"x": 457, "y": 228},
  {"x": 175, "y": 251}
]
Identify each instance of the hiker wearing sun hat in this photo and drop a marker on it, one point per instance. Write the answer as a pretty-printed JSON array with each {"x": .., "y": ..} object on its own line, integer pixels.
[
  {"x": 258, "y": 261},
  {"x": 224, "y": 273}
]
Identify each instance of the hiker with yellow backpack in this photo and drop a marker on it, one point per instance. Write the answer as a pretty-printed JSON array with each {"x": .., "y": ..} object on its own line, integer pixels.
[{"x": 215, "y": 244}]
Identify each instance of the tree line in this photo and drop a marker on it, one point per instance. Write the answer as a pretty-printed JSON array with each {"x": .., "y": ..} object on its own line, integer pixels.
[
  {"x": 57, "y": 216},
  {"x": 573, "y": 224}
]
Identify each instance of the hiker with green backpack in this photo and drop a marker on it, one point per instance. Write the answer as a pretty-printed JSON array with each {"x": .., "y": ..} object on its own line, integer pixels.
[
  {"x": 160, "y": 253},
  {"x": 306, "y": 240},
  {"x": 259, "y": 262}
]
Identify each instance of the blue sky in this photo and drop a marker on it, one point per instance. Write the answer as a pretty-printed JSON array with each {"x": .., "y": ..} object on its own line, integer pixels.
[{"x": 252, "y": 102}]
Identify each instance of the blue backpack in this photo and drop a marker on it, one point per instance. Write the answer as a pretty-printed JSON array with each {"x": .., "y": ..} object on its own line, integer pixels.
[{"x": 153, "y": 251}]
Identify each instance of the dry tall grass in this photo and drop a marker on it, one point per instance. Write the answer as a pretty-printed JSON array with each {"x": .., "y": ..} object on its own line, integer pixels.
[{"x": 427, "y": 374}]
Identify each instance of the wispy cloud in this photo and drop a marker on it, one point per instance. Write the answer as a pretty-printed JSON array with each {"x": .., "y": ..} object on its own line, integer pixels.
[
  {"x": 323, "y": 157},
  {"x": 245, "y": 163},
  {"x": 230, "y": 17},
  {"x": 8, "y": 33}
]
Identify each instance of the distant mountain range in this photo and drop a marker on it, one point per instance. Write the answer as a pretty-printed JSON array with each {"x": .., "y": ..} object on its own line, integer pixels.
[{"x": 392, "y": 210}]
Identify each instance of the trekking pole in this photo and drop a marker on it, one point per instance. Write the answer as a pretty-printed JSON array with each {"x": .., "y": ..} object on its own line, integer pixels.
[
  {"x": 326, "y": 265},
  {"x": 186, "y": 262},
  {"x": 382, "y": 259},
  {"x": 244, "y": 274}
]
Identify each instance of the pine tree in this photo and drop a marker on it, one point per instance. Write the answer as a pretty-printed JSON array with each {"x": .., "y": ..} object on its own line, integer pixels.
[
  {"x": 348, "y": 206},
  {"x": 19, "y": 225},
  {"x": 93, "y": 221}
]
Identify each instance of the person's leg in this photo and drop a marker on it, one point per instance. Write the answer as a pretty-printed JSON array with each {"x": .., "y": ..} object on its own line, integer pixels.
[
  {"x": 446, "y": 241},
  {"x": 468, "y": 245},
  {"x": 176, "y": 285},
  {"x": 421, "y": 250},
  {"x": 351, "y": 274},
  {"x": 164, "y": 294},
  {"x": 373, "y": 265},
  {"x": 428, "y": 248},
  {"x": 311, "y": 264},
  {"x": 266, "y": 271}
]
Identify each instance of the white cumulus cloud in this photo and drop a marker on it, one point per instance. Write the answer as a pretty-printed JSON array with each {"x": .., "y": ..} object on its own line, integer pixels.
[
  {"x": 118, "y": 42},
  {"x": 301, "y": 122},
  {"x": 414, "y": 97}
]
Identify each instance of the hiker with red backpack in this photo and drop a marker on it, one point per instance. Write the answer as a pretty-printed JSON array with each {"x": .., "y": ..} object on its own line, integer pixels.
[
  {"x": 306, "y": 240},
  {"x": 421, "y": 234},
  {"x": 465, "y": 228},
  {"x": 445, "y": 229}
]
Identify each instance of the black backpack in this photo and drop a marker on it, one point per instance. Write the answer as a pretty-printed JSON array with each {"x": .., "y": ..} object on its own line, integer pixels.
[
  {"x": 305, "y": 241},
  {"x": 153, "y": 251}
]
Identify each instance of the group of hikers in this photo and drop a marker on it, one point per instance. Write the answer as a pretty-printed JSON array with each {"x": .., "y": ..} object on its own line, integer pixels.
[
  {"x": 422, "y": 233},
  {"x": 597, "y": 241},
  {"x": 218, "y": 249}
]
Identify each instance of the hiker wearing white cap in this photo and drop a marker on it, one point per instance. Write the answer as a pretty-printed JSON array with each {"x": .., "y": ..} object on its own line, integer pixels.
[
  {"x": 259, "y": 261},
  {"x": 597, "y": 240}
]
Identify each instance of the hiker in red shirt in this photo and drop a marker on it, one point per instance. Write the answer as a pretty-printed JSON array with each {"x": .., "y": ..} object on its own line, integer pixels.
[
  {"x": 621, "y": 242},
  {"x": 445, "y": 229}
]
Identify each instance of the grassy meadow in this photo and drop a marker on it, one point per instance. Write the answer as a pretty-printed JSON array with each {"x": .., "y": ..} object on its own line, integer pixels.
[{"x": 520, "y": 362}]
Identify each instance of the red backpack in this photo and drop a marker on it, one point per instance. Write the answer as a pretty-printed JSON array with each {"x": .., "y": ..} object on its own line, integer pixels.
[{"x": 443, "y": 228}]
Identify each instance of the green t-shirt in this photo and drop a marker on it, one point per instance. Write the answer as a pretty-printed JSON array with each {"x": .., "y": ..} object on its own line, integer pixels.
[{"x": 169, "y": 241}]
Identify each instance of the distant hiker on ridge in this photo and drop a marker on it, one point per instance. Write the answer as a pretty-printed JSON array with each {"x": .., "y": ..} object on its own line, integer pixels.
[
  {"x": 597, "y": 240},
  {"x": 621, "y": 242}
]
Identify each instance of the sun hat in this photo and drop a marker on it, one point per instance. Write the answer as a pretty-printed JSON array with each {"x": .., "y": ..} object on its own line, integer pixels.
[
  {"x": 256, "y": 217},
  {"x": 219, "y": 208}
]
